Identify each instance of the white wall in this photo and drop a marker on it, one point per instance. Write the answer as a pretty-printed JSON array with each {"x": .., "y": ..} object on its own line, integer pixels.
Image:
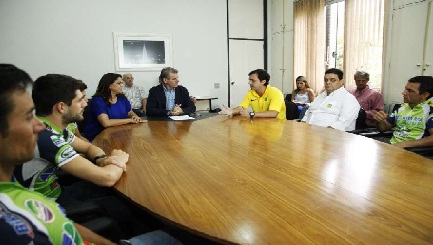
[
  {"x": 281, "y": 44},
  {"x": 408, "y": 46},
  {"x": 75, "y": 38}
]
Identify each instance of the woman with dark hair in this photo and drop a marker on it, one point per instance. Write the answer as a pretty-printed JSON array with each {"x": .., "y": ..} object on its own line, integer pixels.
[{"x": 109, "y": 107}]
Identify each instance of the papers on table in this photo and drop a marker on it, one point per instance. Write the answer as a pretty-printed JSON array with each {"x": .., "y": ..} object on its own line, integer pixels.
[{"x": 181, "y": 118}]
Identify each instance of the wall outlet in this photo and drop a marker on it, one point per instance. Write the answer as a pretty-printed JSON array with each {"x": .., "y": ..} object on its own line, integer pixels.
[{"x": 216, "y": 85}]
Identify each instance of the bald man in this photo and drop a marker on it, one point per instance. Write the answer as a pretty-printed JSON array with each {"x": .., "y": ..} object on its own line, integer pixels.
[{"x": 135, "y": 94}]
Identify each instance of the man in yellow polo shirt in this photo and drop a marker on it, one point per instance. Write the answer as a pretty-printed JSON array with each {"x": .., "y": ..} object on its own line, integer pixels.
[{"x": 266, "y": 101}]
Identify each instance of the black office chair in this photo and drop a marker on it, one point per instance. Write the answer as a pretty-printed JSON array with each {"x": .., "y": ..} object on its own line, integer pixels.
[
  {"x": 81, "y": 125},
  {"x": 291, "y": 110},
  {"x": 360, "y": 121},
  {"x": 92, "y": 216},
  {"x": 360, "y": 126}
]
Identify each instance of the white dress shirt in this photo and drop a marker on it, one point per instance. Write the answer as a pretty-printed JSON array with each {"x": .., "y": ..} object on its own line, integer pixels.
[{"x": 338, "y": 110}]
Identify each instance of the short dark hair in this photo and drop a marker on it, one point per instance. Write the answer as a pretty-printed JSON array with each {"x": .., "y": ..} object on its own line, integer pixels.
[
  {"x": 103, "y": 89},
  {"x": 11, "y": 79},
  {"x": 165, "y": 73},
  {"x": 262, "y": 75},
  {"x": 81, "y": 85},
  {"x": 335, "y": 71},
  {"x": 51, "y": 89},
  {"x": 426, "y": 84}
]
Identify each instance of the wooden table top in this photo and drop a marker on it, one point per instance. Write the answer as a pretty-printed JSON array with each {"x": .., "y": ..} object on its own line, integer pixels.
[{"x": 271, "y": 181}]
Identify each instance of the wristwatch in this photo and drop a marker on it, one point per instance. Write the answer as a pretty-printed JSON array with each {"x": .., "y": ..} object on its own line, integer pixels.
[{"x": 252, "y": 114}]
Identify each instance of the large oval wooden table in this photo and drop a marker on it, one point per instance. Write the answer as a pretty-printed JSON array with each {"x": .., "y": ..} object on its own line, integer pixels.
[{"x": 269, "y": 181}]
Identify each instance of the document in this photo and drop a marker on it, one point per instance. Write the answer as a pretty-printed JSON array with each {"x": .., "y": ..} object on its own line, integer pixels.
[{"x": 182, "y": 118}]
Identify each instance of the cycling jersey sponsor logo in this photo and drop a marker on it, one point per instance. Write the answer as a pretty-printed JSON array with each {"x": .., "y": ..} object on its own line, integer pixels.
[
  {"x": 66, "y": 153},
  {"x": 46, "y": 174},
  {"x": 70, "y": 235},
  {"x": 16, "y": 221},
  {"x": 39, "y": 208},
  {"x": 58, "y": 140}
]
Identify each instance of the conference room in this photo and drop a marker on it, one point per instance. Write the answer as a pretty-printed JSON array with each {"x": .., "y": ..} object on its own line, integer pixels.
[{"x": 240, "y": 180}]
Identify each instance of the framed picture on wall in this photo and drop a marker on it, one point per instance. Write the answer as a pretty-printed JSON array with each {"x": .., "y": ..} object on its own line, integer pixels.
[{"x": 142, "y": 51}]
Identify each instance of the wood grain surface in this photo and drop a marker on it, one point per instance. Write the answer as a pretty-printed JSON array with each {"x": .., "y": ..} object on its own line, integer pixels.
[{"x": 269, "y": 181}]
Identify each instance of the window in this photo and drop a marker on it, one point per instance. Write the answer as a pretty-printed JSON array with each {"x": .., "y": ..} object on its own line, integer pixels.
[
  {"x": 334, "y": 35},
  {"x": 355, "y": 42},
  {"x": 352, "y": 34}
]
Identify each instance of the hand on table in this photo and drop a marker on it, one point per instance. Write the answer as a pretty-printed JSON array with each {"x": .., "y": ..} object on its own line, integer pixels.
[
  {"x": 244, "y": 112},
  {"x": 137, "y": 119},
  {"x": 226, "y": 111},
  {"x": 177, "y": 110},
  {"x": 119, "y": 158}
]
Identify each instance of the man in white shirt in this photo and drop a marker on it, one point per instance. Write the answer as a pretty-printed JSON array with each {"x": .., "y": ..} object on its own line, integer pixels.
[
  {"x": 135, "y": 94},
  {"x": 335, "y": 107}
]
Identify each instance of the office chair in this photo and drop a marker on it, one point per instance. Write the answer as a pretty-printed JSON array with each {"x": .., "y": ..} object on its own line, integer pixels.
[
  {"x": 360, "y": 121},
  {"x": 81, "y": 125},
  {"x": 291, "y": 110},
  {"x": 360, "y": 126},
  {"x": 92, "y": 216}
]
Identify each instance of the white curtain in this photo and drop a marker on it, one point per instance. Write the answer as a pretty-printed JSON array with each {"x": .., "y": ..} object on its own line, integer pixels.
[
  {"x": 363, "y": 40},
  {"x": 309, "y": 41}
]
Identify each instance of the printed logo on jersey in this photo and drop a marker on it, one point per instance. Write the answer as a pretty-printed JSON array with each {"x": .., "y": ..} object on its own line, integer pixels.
[
  {"x": 48, "y": 128},
  {"x": 66, "y": 152},
  {"x": 62, "y": 210},
  {"x": 46, "y": 174},
  {"x": 18, "y": 223},
  {"x": 41, "y": 211},
  {"x": 70, "y": 235},
  {"x": 58, "y": 140}
]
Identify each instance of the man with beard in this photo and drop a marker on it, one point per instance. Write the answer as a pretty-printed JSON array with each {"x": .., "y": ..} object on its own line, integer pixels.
[
  {"x": 58, "y": 102},
  {"x": 265, "y": 101},
  {"x": 28, "y": 217}
]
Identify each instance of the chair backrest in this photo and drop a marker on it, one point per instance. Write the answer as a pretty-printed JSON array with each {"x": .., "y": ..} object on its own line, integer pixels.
[
  {"x": 396, "y": 106},
  {"x": 393, "y": 107},
  {"x": 82, "y": 124},
  {"x": 291, "y": 110},
  {"x": 360, "y": 121}
]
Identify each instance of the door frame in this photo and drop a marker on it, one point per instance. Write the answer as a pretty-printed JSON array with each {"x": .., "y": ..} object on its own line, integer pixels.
[{"x": 264, "y": 40}]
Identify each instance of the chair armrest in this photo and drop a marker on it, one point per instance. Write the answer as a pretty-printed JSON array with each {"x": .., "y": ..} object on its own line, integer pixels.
[
  {"x": 423, "y": 151},
  {"x": 84, "y": 211},
  {"x": 358, "y": 131},
  {"x": 105, "y": 227}
]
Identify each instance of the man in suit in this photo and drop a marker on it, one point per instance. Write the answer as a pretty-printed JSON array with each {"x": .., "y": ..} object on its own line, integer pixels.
[{"x": 169, "y": 98}]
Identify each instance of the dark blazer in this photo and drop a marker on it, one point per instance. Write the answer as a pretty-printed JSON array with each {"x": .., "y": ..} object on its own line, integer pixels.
[{"x": 156, "y": 101}]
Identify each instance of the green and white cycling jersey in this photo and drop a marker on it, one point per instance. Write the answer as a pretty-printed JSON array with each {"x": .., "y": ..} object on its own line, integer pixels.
[
  {"x": 411, "y": 123},
  {"x": 27, "y": 217},
  {"x": 53, "y": 150},
  {"x": 72, "y": 127}
]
